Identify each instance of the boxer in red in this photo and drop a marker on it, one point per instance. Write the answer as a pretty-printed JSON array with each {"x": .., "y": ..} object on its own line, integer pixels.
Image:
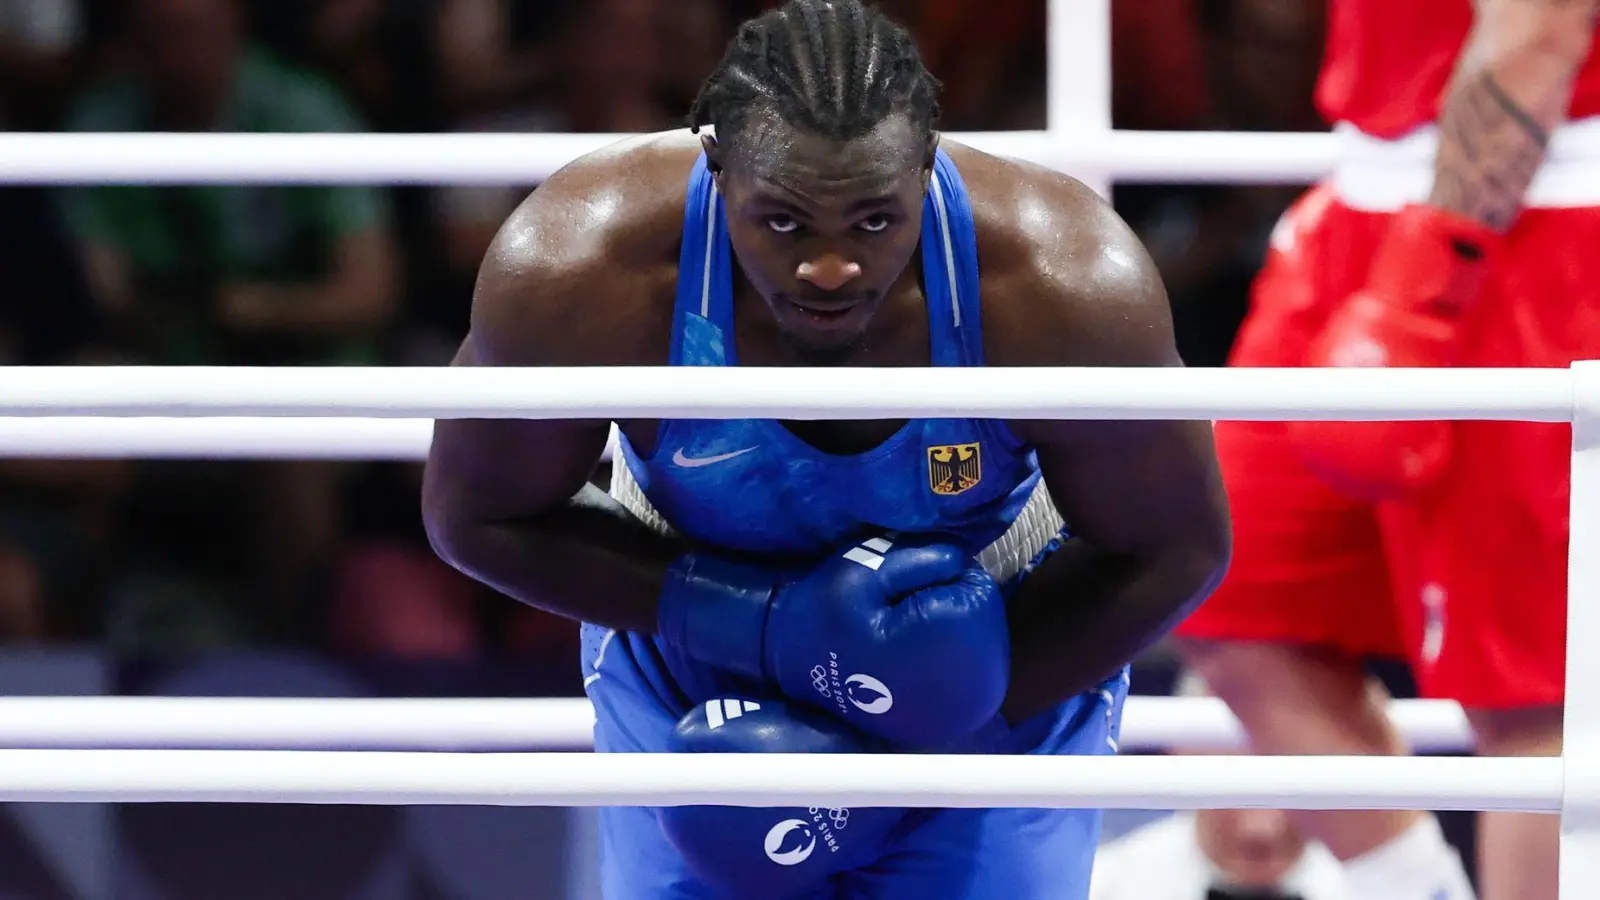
[{"x": 1459, "y": 229}]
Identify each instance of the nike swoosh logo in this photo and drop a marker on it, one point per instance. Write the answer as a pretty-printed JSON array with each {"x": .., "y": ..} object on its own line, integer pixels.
[{"x": 678, "y": 459}]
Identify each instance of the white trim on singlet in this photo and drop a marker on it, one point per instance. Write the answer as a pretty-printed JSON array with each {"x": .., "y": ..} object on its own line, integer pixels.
[
  {"x": 705, "y": 275},
  {"x": 949, "y": 249}
]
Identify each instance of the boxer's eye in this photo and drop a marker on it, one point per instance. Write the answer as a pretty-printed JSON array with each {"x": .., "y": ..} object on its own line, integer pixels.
[
  {"x": 874, "y": 224},
  {"x": 783, "y": 225}
]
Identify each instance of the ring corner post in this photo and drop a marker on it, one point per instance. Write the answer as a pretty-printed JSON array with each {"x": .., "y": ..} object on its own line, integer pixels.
[
  {"x": 1078, "y": 77},
  {"x": 1580, "y": 792}
]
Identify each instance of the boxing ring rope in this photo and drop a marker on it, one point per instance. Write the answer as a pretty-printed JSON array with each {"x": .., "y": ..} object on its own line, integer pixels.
[
  {"x": 498, "y": 159},
  {"x": 34, "y": 423},
  {"x": 216, "y": 437},
  {"x": 621, "y": 392},
  {"x": 483, "y": 725},
  {"x": 763, "y": 779}
]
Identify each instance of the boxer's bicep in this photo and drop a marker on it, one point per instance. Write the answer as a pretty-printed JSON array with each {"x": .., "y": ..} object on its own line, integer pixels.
[
  {"x": 539, "y": 302},
  {"x": 1146, "y": 487},
  {"x": 506, "y": 468},
  {"x": 1146, "y": 490},
  {"x": 507, "y": 501},
  {"x": 1143, "y": 500}
]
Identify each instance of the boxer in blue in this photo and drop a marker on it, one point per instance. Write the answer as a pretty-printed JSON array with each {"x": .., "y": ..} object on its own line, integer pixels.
[{"x": 951, "y": 585}]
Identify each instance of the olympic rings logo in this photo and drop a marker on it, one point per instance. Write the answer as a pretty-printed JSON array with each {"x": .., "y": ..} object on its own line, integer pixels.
[
  {"x": 819, "y": 680},
  {"x": 838, "y": 815}
]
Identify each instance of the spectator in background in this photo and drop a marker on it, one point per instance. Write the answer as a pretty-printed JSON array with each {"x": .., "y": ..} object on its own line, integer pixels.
[
  {"x": 1217, "y": 854},
  {"x": 1187, "y": 65},
  {"x": 491, "y": 54},
  {"x": 382, "y": 53},
  {"x": 989, "y": 56},
  {"x": 697, "y": 31},
  {"x": 613, "y": 72},
  {"x": 22, "y": 606},
  {"x": 37, "y": 43},
  {"x": 53, "y": 513},
  {"x": 231, "y": 274}
]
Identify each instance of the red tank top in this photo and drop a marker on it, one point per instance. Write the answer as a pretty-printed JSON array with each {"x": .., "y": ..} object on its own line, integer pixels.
[{"x": 1387, "y": 63}]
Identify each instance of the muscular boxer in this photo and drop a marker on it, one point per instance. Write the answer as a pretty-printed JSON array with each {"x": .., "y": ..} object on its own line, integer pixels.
[
  {"x": 819, "y": 586},
  {"x": 1458, "y": 229}
]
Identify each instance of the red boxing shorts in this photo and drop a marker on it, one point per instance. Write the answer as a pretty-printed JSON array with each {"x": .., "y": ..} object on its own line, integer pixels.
[{"x": 1468, "y": 581}]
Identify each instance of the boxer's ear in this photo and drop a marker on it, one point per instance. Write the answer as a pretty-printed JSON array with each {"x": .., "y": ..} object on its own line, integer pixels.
[
  {"x": 928, "y": 158},
  {"x": 713, "y": 151}
]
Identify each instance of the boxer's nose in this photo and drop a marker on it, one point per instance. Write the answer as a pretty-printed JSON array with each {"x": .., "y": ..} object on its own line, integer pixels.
[{"x": 829, "y": 271}]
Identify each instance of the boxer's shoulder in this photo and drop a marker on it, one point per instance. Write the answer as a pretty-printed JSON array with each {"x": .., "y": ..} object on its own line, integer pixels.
[
  {"x": 584, "y": 271},
  {"x": 1065, "y": 281}
]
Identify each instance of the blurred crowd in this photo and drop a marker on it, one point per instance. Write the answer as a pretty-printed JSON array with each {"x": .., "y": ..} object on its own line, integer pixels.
[{"x": 159, "y": 557}]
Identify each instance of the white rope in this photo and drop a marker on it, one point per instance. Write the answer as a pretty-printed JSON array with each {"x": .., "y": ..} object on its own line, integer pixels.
[
  {"x": 1148, "y": 723},
  {"x": 1205, "y": 724},
  {"x": 1229, "y": 157},
  {"x": 672, "y": 779},
  {"x": 297, "y": 723},
  {"x": 350, "y": 440},
  {"x": 216, "y": 438},
  {"x": 617, "y": 393}
]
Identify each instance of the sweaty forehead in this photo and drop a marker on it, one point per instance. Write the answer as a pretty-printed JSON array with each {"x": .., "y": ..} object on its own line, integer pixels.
[{"x": 776, "y": 155}]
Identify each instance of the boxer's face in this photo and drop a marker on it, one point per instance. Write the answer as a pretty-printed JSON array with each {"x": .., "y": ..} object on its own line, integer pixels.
[
  {"x": 823, "y": 228},
  {"x": 1255, "y": 848}
]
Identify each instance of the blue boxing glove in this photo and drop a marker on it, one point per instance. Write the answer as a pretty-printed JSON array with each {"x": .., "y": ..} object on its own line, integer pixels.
[
  {"x": 906, "y": 641},
  {"x": 765, "y": 852}
]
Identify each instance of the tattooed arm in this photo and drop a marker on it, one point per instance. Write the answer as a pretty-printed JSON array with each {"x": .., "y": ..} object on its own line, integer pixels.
[{"x": 1511, "y": 88}]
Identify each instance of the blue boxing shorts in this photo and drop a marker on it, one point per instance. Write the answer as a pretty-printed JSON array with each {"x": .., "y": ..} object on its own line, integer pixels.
[{"x": 938, "y": 854}]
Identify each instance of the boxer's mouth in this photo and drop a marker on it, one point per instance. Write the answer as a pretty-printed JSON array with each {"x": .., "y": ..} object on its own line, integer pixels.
[
  {"x": 831, "y": 315},
  {"x": 829, "y": 307}
]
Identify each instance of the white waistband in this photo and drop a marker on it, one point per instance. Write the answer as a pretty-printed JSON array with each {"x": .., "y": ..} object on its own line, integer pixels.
[{"x": 1384, "y": 175}]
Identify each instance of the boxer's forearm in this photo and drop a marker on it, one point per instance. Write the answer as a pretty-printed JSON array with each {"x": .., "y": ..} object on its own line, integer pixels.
[
  {"x": 587, "y": 560},
  {"x": 1511, "y": 88},
  {"x": 1084, "y": 613}
]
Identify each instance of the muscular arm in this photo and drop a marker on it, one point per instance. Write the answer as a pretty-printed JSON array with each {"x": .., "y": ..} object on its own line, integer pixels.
[
  {"x": 1143, "y": 499},
  {"x": 1510, "y": 89},
  {"x": 508, "y": 501}
]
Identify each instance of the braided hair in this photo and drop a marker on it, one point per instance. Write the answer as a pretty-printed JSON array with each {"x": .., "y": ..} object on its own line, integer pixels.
[{"x": 834, "y": 68}]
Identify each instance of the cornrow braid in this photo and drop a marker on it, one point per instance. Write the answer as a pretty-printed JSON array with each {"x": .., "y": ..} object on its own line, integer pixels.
[{"x": 835, "y": 68}]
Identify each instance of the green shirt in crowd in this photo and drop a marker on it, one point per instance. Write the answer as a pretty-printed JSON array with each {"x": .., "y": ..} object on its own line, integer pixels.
[{"x": 192, "y": 239}]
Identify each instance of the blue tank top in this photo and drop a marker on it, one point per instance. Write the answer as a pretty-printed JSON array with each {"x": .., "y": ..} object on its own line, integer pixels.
[{"x": 751, "y": 485}]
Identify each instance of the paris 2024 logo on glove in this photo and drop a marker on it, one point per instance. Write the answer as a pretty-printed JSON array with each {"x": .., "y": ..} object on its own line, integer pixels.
[
  {"x": 864, "y": 692},
  {"x": 792, "y": 841}
]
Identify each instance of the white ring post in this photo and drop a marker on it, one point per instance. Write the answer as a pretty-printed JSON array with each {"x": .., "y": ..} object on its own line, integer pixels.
[
  {"x": 1078, "y": 78},
  {"x": 1580, "y": 793}
]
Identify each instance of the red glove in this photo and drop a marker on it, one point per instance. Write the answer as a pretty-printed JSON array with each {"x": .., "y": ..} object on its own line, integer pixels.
[{"x": 1413, "y": 311}]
